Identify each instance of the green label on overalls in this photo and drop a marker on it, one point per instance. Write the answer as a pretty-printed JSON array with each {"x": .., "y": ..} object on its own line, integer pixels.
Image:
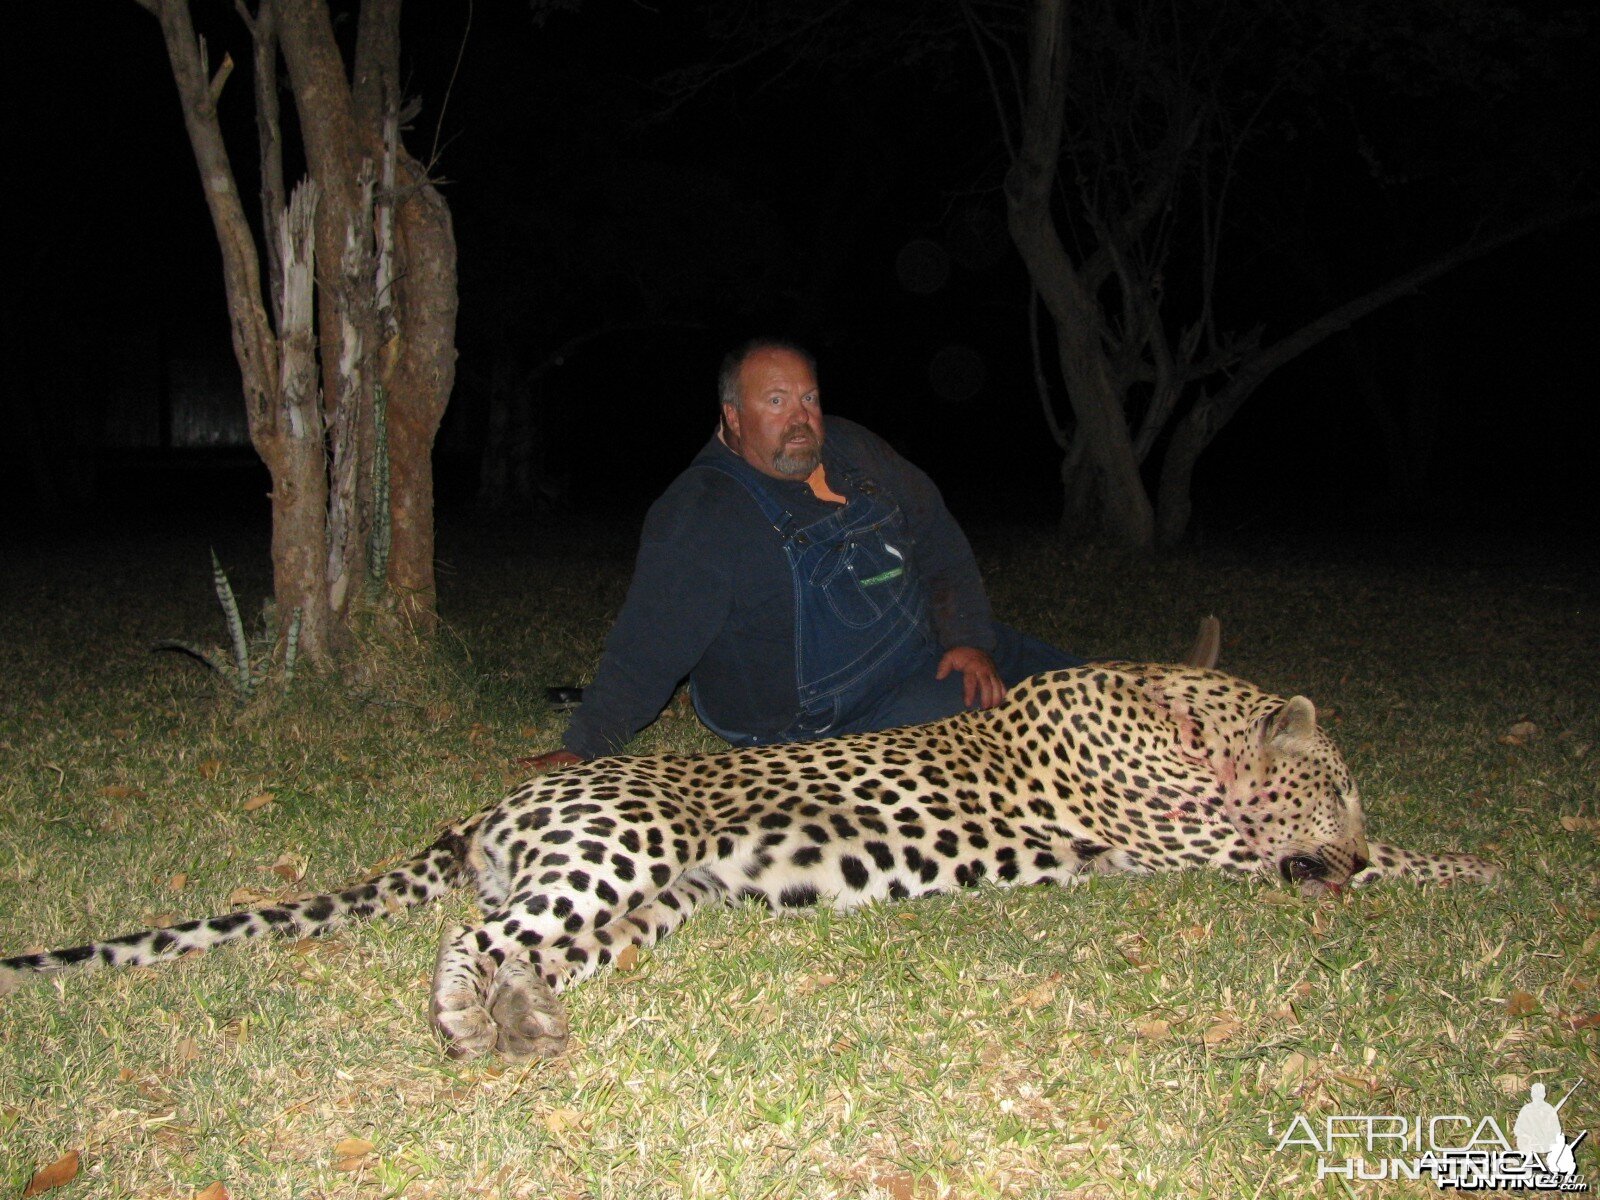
[{"x": 884, "y": 578}]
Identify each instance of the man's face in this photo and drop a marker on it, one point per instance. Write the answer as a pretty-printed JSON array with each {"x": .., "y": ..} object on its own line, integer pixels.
[{"x": 777, "y": 427}]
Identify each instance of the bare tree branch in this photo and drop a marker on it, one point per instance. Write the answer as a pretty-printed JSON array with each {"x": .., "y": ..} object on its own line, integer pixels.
[
  {"x": 269, "y": 137},
  {"x": 220, "y": 79},
  {"x": 253, "y": 339},
  {"x": 455, "y": 70},
  {"x": 1211, "y": 414},
  {"x": 693, "y": 85},
  {"x": 978, "y": 36},
  {"x": 1041, "y": 384}
]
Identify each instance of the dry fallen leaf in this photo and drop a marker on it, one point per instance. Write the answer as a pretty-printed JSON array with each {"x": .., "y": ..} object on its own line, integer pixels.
[
  {"x": 244, "y": 897},
  {"x": 350, "y": 1154},
  {"x": 1221, "y": 1031},
  {"x": 1520, "y": 734},
  {"x": 1520, "y": 1003},
  {"x": 259, "y": 800},
  {"x": 118, "y": 791},
  {"x": 901, "y": 1186},
  {"x": 178, "y": 882},
  {"x": 63, "y": 1171},
  {"x": 1295, "y": 1069},
  {"x": 1131, "y": 949},
  {"x": 560, "y": 1120},
  {"x": 1152, "y": 1030},
  {"x": 212, "y": 1191},
  {"x": 210, "y": 768},
  {"x": 1581, "y": 824},
  {"x": 627, "y": 958},
  {"x": 1512, "y": 1085},
  {"x": 291, "y": 868},
  {"x": 1040, "y": 995}
]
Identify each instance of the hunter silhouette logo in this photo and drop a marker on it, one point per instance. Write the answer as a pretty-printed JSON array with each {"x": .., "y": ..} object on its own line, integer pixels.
[
  {"x": 1538, "y": 1132},
  {"x": 1450, "y": 1149}
]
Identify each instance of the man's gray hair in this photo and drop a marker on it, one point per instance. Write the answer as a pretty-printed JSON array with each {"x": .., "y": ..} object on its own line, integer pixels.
[{"x": 734, "y": 360}]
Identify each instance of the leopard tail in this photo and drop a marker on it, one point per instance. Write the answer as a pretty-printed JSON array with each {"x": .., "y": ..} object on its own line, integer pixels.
[{"x": 424, "y": 877}]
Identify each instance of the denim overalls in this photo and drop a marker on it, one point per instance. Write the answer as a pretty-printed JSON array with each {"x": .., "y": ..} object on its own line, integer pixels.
[{"x": 860, "y": 609}]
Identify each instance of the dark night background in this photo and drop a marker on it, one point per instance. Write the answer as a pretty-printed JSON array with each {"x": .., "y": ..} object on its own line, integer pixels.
[{"x": 854, "y": 203}]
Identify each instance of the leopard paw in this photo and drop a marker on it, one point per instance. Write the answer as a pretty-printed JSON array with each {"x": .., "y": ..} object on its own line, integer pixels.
[
  {"x": 467, "y": 1032},
  {"x": 530, "y": 1019},
  {"x": 456, "y": 1009}
]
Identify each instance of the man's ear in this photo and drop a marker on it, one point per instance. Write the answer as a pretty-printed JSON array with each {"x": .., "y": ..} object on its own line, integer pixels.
[{"x": 730, "y": 420}]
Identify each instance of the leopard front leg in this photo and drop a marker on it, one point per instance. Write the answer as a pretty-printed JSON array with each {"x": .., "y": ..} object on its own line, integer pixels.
[
  {"x": 488, "y": 994},
  {"x": 1394, "y": 862}
]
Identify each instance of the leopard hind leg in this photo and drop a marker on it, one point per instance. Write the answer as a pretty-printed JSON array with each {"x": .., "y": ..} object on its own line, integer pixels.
[
  {"x": 483, "y": 1000},
  {"x": 586, "y": 952},
  {"x": 496, "y": 987}
]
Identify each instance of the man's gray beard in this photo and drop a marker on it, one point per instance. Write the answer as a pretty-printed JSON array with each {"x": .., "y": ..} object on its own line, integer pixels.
[{"x": 798, "y": 464}]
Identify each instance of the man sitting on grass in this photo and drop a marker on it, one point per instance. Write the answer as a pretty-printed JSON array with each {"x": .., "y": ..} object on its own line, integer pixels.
[{"x": 807, "y": 581}]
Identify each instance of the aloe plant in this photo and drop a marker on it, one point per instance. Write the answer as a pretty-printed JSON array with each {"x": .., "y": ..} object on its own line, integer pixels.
[{"x": 245, "y": 675}]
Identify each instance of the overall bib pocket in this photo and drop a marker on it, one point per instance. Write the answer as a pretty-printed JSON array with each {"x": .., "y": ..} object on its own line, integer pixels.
[{"x": 864, "y": 576}]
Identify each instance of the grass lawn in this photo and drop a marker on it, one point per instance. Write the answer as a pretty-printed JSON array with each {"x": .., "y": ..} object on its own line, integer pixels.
[{"x": 1129, "y": 1037}]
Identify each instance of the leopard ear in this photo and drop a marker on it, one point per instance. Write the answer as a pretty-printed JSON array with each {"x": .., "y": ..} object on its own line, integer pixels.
[{"x": 1292, "y": 729}]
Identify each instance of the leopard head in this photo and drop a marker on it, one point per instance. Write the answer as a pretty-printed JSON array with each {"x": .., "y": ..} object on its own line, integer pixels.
[{"x": 1295, "y": 802}]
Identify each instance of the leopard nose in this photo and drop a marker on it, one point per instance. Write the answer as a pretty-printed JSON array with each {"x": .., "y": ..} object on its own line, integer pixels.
[{"x": 1359, "y": 864}]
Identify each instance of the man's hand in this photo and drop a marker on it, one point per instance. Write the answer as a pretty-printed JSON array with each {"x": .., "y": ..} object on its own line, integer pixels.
[
  {"x": 981, "y": 683},
  {"x": 549, "y": 759}
]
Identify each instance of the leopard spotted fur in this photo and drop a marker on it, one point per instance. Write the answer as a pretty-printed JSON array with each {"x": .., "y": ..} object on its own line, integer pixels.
[{"x": 1112, "y": 767}]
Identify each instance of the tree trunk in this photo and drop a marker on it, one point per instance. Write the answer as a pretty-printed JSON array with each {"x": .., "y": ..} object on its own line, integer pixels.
[
  {"x": 291, "y": 444},
  {"x": 1174, "y": 490},
  {"x": 1125, "y": 514},
  {"x": 346, "y": 393},
  {"x": 418, "y": 383}
]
